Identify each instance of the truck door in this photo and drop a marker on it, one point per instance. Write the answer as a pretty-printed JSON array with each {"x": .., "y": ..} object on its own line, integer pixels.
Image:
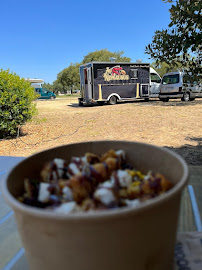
[
  {"x": 155, "y": 84},
  {"x": 88, "y": 84}
]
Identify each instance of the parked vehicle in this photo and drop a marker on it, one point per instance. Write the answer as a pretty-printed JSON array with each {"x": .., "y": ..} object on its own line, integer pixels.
[
  {"x": 108, "y": 82},
  {"x": 178, "y": 85},
  {"x": 45, "y": 94}
]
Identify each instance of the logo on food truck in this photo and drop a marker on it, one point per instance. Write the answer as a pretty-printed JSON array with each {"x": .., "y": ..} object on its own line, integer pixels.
[{"x": 115, "y": 73}]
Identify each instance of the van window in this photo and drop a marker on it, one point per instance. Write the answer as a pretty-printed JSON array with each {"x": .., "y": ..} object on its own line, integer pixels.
[
  {"x": 45, "y": 91},
  {"x": 171, "y": 79},
  {"x": 155, "y": 78}
]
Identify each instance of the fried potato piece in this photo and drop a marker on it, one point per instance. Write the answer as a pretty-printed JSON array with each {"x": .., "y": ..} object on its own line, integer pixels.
[
  {"x": 81, "y": 187},
  {"x": 111, "y": 153}
]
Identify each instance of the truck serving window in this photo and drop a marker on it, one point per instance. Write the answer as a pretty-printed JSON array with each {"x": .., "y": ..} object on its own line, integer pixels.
[
  {"x": 171, "y": 79},
  {"x": 134, "y": 74}
]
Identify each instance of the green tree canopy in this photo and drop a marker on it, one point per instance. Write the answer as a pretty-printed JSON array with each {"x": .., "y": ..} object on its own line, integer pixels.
[
  {"x": 104, "y": 56},
  {"x": 47, "y": 86},
  {"x": 69, "y": 77},
  {"x": 181, "y": 42},
  {"x": 55, "y": 87},
  {"x": 58, "y": 87},
  {"x": 163, "y": 67}
]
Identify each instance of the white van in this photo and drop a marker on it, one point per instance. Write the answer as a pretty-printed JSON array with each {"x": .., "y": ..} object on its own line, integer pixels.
[{"x": 177, "y": 85}]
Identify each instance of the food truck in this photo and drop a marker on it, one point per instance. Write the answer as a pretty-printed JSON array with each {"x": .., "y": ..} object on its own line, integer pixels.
[{"x": 109, "y": 82}]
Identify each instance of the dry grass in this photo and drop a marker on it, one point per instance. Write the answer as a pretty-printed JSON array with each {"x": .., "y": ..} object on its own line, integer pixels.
[{"x": 175, "y": 124}]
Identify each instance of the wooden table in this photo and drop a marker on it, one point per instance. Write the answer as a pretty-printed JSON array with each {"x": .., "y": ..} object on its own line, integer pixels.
[{"x": 11, "y": 251}]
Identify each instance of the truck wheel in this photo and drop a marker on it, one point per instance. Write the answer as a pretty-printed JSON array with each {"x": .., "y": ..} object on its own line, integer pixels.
[
  {"x": 165, "y": 99},
  {"x": 80, "y": 103},
  {"x": 112, "y": 100},
  {"x": 186, "y": 97},
  {"x": 146, "y": 99},
  {"x": 191, "y": 99}
]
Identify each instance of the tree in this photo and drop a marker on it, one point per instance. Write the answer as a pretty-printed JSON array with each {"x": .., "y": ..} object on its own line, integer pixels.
[
  {"x": 48, "y": 86},
  {"x": 163, "y": 67},
  {"x": 181, "y": 42},
  {"x": 69, "y": 77},
  {"x": 58, "y": 87},
  {"x": 16, "y": 102},
  {"x": 55, "y": 87},
  {"x": 104, "y": 56}
]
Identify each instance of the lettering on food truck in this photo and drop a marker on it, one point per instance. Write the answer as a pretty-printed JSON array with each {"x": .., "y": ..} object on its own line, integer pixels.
[{"x": 115, "y": 73}]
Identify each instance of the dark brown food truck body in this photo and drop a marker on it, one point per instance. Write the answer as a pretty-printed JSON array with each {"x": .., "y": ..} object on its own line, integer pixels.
[{"x": 108, "y": 82}]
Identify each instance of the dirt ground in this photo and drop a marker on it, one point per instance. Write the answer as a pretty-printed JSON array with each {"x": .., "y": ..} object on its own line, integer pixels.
[{"x": 175, "y": 124}]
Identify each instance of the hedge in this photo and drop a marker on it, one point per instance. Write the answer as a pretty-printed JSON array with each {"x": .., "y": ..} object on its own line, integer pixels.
[{"x": 16, "y": 102}]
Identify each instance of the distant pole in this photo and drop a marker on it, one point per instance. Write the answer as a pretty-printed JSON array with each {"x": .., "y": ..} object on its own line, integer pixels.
[{"x": 112, "y": 59}]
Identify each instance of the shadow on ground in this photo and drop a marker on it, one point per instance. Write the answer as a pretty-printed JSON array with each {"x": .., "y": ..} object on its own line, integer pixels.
[
  {"x": 137, "y": 102},
  {"x": 151, "y": 102},
  {"x": 4, "y": 136},
  {"x": 181, "y": 103},
  {"x": 191, "y": 153}
]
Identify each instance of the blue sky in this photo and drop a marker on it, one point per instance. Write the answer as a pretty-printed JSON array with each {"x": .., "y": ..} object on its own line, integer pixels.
[{"x": 38, "y": 39}]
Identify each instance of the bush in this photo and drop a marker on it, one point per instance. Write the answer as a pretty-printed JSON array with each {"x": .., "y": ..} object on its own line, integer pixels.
[{"x": 16, "y": 102}]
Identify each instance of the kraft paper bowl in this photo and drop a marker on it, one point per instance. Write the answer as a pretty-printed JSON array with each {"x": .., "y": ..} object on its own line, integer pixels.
[{"x": 137, "y": 238}]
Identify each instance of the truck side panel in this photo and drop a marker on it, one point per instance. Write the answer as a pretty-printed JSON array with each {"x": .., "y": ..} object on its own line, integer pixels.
[
  {"x": 124, "y": 91},
  {"x": 121, "y": 79}
]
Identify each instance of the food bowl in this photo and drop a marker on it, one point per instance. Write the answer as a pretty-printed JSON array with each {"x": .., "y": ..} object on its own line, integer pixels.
[{"x": 141, "y": 237}]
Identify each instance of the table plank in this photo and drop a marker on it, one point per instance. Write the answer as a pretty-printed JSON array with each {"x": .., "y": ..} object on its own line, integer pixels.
[
  {"x": 2, "y": 175},
  {"x": 196, "y": 182},
  {"x": 186, "y": 219},
  {"x": 20, "y": 264},
  {"x": 10, "y": 241},
  {"x": 7, "y": 162},
  {"x": 4, "y": 208}
]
